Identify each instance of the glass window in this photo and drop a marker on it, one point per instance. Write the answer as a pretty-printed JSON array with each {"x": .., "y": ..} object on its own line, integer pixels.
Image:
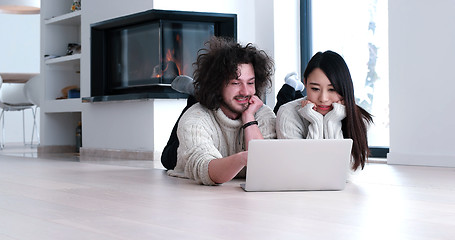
[{"x": 358, "y": 30}]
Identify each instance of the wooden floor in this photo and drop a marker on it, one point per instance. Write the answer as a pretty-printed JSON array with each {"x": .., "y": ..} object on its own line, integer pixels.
[{"x": 61, "y": 197}]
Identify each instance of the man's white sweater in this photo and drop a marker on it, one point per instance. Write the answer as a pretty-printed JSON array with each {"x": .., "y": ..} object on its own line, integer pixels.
[{"x": 206, "y": 134}]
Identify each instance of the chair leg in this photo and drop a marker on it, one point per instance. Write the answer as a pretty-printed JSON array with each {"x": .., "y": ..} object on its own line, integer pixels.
[
  {"x": 2, "y": 118},
  {"x": 23, "y": 126},
  {"x": 35, "y": 127}
]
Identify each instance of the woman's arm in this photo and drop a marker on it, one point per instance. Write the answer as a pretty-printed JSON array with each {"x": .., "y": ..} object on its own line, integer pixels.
[
  {"x": 315, "y": 128},
  {"x": 332, "y": 122},
  {"x": 297, "y": 122},
  {"x": 289, "y": 125}
]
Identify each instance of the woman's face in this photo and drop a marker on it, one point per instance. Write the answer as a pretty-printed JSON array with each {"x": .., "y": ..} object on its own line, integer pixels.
[{"x": 321, "y": 92}]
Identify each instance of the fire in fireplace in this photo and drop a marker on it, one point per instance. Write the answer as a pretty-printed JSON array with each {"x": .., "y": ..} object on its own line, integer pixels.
[{"x": 138, "y": 56}]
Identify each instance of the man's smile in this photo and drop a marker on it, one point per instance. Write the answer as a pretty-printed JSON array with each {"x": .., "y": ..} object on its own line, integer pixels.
[{"x": 242, "y": 99}]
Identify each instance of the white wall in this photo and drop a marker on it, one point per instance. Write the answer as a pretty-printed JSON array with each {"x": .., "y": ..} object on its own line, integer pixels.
[
  {"x": 287, "y": 40},
  {"x": 139, "y": 125},
  {"x": 19, "y": 53},
  {"x": 113, "y": 125},
  {"x": 421, "y": 48},
  {"x": 264, "y": 18},
  {"x": 19, "y": 43}
]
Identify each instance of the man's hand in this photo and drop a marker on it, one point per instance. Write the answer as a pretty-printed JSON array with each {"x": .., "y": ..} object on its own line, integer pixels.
[{"x": 254, "y": 105}]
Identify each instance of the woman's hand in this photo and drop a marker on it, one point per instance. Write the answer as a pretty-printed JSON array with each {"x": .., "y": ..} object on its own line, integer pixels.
[
  {"x": 308, "y": 112},
  {"x": 332, "y": 121},
  {"x": 340, "y": 102},
  {"x": 338, "y": 112},
  {"x": 305, "y": 102}
]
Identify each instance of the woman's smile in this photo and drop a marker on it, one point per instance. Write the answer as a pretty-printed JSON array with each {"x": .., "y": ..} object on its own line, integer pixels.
[{"x": 324, "y": 107}]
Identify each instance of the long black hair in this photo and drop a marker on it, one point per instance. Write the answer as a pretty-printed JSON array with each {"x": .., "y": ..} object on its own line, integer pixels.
[{"x": 354, "y": 126}]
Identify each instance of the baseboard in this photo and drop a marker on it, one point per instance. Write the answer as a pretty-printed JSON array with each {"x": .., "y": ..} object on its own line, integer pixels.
[
  {"x": 56, "y": 149},
  {"x": 421, "y": 160},
  {"x": 116, "y": 154}
]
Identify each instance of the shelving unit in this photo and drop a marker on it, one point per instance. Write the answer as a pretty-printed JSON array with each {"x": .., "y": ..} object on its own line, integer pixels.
[
  {"x": 59, "y": 116},
  {"x": 72, "y": 18},
  {"x": 64, "y": 59}
]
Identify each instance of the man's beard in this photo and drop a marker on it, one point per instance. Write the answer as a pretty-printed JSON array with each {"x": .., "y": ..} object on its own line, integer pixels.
[{"x": 231, "y": 108}]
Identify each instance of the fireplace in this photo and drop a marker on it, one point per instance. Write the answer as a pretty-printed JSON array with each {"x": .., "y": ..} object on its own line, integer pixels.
[{"x": 138, "y": 56}]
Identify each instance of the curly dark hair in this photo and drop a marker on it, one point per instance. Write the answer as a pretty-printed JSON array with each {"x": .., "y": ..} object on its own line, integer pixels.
[{"x": 218, "y": 63}]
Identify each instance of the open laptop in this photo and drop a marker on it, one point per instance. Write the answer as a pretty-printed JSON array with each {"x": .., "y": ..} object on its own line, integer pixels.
[{"x": 297, "y": 164}]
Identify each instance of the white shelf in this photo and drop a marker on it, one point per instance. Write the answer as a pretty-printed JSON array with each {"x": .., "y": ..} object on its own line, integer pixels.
[
  {"x": 59, "y": 117},
  {"x": 63, "y": 105},
  {"x": 63, "y": 59},
  {"x": 73, "y": 18}
]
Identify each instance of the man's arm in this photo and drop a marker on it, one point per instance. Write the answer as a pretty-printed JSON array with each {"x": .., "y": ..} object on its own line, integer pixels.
[
  {"x": 222, "y": 170},
  {"x": 252, "y": 131},
  {"x": 198, "y": 157}
]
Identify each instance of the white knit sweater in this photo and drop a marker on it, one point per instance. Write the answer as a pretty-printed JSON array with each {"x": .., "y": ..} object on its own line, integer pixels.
[
  {"x": 205, "y": 135},
  {"x": 297, "y": 122}
]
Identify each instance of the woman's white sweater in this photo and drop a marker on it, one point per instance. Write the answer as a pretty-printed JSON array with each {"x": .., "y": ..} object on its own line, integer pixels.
[
  {"x": 206, "y": 134},
  {"x": 297, "y": 122}
]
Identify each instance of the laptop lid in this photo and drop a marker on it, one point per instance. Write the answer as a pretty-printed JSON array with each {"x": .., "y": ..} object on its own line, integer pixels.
[{"x": 297, "y": 164}]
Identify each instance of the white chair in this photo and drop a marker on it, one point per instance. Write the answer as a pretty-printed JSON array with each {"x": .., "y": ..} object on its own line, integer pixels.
[
  {"x": 13, "y": 98},
  {"x": 33, "y": 93}
]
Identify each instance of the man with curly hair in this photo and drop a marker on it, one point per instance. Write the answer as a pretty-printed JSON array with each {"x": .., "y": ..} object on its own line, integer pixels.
[{"x": 213, "y": 134}]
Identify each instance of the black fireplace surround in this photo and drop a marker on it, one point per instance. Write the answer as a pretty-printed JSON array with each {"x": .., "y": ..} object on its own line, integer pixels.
[{"x": 137, "y": 56}]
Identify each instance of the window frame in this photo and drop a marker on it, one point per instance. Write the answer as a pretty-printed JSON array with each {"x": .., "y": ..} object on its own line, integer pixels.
[{"x": 306, "y": 52}]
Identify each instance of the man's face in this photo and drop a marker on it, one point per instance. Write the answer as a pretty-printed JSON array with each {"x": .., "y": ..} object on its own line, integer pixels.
[{"x": 237, "y": 93}]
